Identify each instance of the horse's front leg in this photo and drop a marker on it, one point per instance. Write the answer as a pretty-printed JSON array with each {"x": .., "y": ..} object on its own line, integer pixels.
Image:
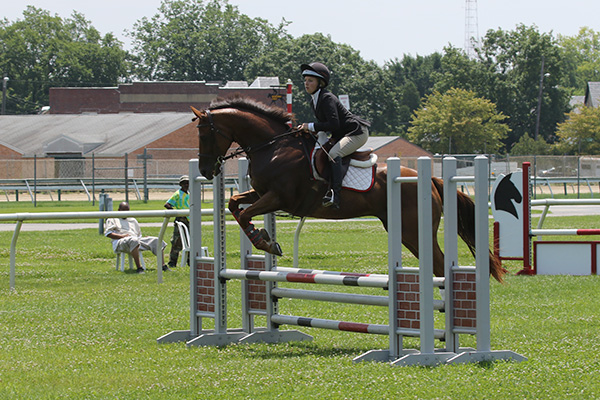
[{"x": 258, "y": 205}]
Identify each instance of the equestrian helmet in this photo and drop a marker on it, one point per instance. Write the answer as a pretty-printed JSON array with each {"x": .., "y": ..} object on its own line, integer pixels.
[{"x": 316, "y": 69}]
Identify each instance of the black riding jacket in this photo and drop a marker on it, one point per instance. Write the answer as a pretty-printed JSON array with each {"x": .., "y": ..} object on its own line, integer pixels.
[{"x": 333, "y": 117}]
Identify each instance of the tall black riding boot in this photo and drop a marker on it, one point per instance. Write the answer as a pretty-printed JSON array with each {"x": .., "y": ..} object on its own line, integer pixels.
[{"x": 332, "y": 198}]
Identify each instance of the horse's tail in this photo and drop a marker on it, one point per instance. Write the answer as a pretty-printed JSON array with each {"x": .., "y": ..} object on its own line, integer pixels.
[{"x": 466, "y": 227}]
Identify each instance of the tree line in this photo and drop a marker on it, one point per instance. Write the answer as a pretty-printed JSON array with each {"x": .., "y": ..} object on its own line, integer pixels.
[{"x": 513, "y": 96}]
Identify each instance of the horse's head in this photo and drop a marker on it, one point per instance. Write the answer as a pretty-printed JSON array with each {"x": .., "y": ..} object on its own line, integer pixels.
[
  {"x": 213, "y": 144},
  {"x": 248, "y": 122}
]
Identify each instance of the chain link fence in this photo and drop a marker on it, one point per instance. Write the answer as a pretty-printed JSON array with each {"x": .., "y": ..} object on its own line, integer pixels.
[
  {"x": 159, "y": 169},
  {"x": 172, "y": 163},
  {"x": 155, "y": 170}
]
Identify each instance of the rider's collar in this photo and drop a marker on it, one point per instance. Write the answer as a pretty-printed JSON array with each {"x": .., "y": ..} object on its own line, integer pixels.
[{"x": 315, "y": 97}]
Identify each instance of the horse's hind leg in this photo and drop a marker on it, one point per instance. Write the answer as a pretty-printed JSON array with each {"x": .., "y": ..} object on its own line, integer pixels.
[
  {"x": 438, "y": 259},
  {"x": 258, "y": 205},
  {"x": 438, "y": 255},
  {"x": 410, "y": 236}
]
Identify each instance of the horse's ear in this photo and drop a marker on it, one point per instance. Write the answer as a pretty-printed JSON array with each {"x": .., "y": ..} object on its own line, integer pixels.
[{"x": 196, "y": 112}]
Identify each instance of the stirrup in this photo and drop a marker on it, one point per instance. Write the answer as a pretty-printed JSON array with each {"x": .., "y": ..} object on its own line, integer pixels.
[{"x": 329, "y": 200}]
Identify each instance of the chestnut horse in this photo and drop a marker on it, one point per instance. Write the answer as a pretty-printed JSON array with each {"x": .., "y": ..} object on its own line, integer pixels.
[{"x": 281, "y": 179}]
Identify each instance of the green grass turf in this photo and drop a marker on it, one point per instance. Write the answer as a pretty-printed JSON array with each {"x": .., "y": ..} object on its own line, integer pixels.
[{"x": 77, "y": 329}]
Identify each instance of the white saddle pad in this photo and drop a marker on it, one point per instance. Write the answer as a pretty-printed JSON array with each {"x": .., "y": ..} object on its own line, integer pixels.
[{"x": 360, "y": 177}]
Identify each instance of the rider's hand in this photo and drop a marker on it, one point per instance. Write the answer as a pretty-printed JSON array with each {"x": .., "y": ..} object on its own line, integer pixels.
[{"x": 302, "y": 128}]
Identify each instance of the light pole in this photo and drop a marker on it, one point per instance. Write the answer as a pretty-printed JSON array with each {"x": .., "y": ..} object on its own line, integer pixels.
[
  {"x": 539, "y": 105},
  {"x": 4, "y": 83}
]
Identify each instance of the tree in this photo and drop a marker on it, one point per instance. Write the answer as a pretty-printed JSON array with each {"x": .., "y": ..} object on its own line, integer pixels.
[
  {"x": 409, "y": 101},
  {"x": 582, "y": 52},
  {"x": 418, "y": 71},
  {"x": 526, "y": 145},
  {"x": 457, "y": 70},
  {"x": 580, "y": 133},
  {"x": 200, "y": 40},
  {"x": 458, "y": 122},
  {"x": 410, "y": 79},
  {"x": 41, "y": 51},
  {"x": 507, "y": 71},
  {"x": 514, "y": 60}
]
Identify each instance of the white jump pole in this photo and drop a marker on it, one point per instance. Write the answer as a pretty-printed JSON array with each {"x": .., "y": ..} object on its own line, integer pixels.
[
  {"x": 482, "y": 260},
  {"x": 450, "y": 246}
]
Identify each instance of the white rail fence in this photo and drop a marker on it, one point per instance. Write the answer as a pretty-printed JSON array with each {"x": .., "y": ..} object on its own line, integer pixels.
[{"x": 19, "y": 218}]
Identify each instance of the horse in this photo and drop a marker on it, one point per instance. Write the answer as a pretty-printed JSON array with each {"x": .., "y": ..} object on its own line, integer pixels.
[{"x": 281, "y": 180}]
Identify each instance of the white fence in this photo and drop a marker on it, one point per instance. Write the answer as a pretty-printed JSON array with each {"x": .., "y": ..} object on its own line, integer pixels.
[{"x": 21, "y": 217}]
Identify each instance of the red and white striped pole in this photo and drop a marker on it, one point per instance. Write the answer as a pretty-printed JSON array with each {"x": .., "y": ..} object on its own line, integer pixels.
[
  {"x": 526, "y": 204},
  {"x": 288, "y": 99},
  {"x": 289, "y": 95}
]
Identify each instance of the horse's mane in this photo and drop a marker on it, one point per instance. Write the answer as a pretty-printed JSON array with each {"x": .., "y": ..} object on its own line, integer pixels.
[{"x": 248, "y": 104}]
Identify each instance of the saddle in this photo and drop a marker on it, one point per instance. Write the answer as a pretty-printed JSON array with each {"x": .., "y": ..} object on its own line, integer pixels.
[{"x": 358, "y": 169}]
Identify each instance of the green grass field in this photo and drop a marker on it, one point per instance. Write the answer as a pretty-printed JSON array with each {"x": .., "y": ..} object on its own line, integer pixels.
[{"x": 77, "y": 329}]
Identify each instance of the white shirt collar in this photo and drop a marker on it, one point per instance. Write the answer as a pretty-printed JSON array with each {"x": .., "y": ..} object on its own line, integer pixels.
[{"x": 315, "y": 97}]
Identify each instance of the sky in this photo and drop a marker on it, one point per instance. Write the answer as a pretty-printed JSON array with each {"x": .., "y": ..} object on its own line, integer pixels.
[{"x": 381, "y": 31}]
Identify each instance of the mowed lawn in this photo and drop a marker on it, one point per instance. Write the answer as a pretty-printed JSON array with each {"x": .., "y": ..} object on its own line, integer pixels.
[{"x": 77, "y": 329}]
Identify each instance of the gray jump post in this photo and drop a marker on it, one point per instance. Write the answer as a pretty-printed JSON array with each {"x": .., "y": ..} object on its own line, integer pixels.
[{"x": 410, "y": 297}]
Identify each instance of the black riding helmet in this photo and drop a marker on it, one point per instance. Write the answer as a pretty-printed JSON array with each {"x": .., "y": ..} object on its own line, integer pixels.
[{"x": 316, "y": 69}]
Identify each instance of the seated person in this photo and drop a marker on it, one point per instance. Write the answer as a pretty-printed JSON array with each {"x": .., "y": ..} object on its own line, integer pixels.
[{"x": 127, "y": 238}]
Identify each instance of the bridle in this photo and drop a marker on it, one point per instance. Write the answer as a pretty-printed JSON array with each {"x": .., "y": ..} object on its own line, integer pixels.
[
  {"x": 240, "y": 150},
  {"x": 215, "y": 131}
]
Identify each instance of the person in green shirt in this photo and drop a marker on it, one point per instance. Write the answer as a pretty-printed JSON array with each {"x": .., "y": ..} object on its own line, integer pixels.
[{"x": 178, "y": 201}]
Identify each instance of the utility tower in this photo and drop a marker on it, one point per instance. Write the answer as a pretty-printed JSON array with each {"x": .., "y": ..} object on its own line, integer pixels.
[{"x": 471, "y": 28}]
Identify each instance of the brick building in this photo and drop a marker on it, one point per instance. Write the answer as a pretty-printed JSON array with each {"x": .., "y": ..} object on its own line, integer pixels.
[
  {"x": 109, "y": 123},
  {"x": 156, "y": 97}
]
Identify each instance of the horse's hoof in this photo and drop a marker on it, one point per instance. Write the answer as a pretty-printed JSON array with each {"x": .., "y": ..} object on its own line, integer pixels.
[
  {"x": 264, "y": 235},
  {"x": 275, "y": 249}
]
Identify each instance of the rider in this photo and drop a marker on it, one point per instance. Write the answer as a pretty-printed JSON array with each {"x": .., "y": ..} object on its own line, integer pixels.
[{"x": 348, "y": 131}]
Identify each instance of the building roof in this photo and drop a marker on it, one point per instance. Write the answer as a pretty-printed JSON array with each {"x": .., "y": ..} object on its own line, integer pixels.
[
  {"x": 576, "y": 101},
  {"x": 377, "y": 142},
  {"x": 592, "y": 94},
  {"x": 265, "y": 82},
  {"x": 394, "y": 146},
  {"x": 104, "y": 134},
  {"x": 116, "y": 134}
]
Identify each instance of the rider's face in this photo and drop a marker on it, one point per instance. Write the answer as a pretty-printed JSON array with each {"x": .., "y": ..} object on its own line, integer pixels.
[{"x": 311, "y": 84}]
